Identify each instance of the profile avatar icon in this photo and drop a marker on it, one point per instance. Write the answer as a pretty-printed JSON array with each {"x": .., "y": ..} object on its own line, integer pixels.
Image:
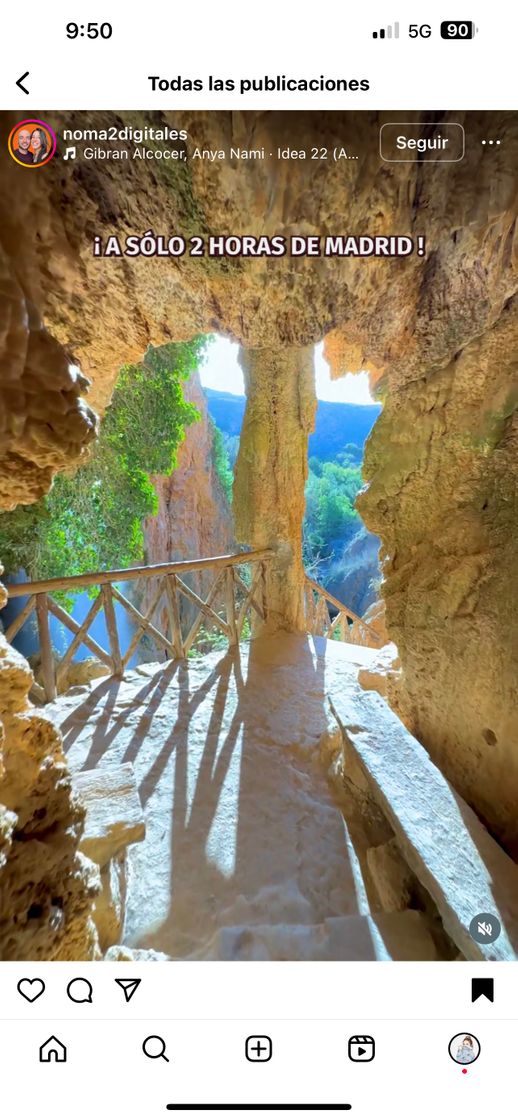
[
  {"x": 32, "y": 143},
  {"x": 464, "y": 1049}
]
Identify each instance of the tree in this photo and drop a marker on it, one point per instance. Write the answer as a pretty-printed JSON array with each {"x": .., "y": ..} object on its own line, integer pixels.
[{"x": 330, "y": 517}]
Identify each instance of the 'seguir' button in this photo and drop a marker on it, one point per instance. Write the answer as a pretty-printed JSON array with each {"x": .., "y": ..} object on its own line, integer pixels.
[{"x": 422, "y": 143}]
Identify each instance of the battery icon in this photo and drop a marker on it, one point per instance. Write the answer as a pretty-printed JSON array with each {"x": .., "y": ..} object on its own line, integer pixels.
[{"x": 458, "y": 29}]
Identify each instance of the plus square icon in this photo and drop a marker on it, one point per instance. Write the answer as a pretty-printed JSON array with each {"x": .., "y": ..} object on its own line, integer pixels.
[{"x": 258, "y": 1048}]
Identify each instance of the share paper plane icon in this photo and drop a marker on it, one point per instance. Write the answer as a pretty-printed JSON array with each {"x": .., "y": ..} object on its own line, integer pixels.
[{"x": 129, "y": 988}]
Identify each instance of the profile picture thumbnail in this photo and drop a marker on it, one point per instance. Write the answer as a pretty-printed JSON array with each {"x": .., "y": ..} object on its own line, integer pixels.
[
  {"x": 464, "y": 1049},
  {"x": 32, "y": 143}
]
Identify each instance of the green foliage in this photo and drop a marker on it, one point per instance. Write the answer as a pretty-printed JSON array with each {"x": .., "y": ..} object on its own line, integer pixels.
[
  {"x": 330, "y": 517},
  {"x": 93, "y": 520},
  {"x": 315, "y": 466},
  {"x": 231, "y": 447},
  {"x": 221, "y": 460},
  {"x": 351, "y": 455}
]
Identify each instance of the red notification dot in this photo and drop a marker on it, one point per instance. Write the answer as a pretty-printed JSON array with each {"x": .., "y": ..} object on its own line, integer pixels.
[{"x": 464, "y": 1071}]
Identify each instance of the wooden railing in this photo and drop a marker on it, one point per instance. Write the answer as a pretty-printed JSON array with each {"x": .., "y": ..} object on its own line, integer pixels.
[
  {"x": 350, "y": 627},
  {"x": 228, "y": 591}
]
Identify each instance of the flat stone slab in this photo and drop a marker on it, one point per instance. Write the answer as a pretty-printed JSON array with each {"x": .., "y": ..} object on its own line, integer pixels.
[
  {"x": 454, "y": 857},
  {"x": 401, "y": 936},
  {"x": 114, "y": 816}
]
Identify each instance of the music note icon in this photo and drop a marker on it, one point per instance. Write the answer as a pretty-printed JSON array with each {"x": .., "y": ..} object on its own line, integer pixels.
[{"x": 70, "y": 153}]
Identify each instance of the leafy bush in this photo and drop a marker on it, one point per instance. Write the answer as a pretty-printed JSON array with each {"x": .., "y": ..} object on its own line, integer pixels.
[
  {"x": 330, "y": 516},
  {"x": 92, "y": 521}
]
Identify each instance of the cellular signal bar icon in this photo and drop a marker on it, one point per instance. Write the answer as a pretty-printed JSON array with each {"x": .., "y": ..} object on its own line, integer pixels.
[{"x": 390, "y": 32}]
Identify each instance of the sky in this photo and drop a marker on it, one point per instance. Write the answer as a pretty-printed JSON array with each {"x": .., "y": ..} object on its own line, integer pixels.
[{"x": 221, "y": 370}]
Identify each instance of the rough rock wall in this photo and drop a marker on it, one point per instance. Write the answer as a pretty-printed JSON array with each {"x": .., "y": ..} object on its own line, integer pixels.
[
  {"x": 445, "y": 503},
  {"x": 194, "y": 517},
  {"x": 45, "y": 426},
  {"x": 271, "y": 471},
  {"x": 441, "y": 472},
  {"x": 47, "y": 888}
]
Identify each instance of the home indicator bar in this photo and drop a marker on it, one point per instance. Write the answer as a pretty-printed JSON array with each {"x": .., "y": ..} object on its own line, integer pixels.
[{"x": 263, "y": 1107}]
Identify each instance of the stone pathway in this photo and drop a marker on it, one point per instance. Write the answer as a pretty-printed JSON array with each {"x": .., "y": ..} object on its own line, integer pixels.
[{"x": 246, "y": 854}]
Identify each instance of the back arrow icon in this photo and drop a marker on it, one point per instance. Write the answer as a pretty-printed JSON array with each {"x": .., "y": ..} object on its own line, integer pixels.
[{"x": 20, "y": 80}]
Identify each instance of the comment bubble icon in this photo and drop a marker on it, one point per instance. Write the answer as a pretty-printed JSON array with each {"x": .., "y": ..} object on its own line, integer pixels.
[{"x": 80, "y": 990}]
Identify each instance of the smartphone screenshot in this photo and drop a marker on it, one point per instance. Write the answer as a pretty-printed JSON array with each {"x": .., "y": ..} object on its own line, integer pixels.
[{"x": 258, "y": 560}]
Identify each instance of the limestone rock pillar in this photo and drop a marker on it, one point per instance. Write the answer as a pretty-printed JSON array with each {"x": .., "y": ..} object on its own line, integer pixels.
[
  {"x": 47, "y": 887},
  {"x": 271, "y": 471}
]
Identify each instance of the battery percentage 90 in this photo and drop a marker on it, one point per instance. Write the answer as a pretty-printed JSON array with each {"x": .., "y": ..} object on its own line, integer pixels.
[{"x": 458, "y": 29}]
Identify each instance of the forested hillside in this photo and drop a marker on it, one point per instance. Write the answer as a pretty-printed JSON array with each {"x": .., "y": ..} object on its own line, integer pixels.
[{"x": 336, "y": 424}]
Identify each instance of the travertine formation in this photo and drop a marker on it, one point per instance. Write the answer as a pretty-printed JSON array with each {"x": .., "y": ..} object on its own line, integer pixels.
[
  {"x": 46, "y": 886},
  {"x": 445, "y": 503},
  {"x": 271, "y": 471},
  {"x": 438, "y": 332},
  {"x": 44, "y": 423}
]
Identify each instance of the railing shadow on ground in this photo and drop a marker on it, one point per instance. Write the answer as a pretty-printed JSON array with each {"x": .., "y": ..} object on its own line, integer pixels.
[
  {"x": 238, "y": 839},
  {"x": 226, "y": 755}
]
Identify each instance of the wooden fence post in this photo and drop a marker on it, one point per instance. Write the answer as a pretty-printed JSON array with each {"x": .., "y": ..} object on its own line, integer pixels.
[
  {"x": 173, "y": 610},
  {"x": 47, "y": 659},
  {"x": 111, "y": 626},
  {"x": 233, "y": 636}
]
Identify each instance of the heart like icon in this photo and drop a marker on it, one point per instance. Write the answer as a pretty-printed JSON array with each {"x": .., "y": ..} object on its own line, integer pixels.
[{"x": 30, "y": 989}]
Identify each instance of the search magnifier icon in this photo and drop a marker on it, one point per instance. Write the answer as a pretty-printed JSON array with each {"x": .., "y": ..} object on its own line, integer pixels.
[{"x": 154, "y": 1047}]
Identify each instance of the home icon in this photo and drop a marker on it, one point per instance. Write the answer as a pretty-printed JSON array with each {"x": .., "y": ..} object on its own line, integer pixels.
[{"x": 53, "y": 1050}]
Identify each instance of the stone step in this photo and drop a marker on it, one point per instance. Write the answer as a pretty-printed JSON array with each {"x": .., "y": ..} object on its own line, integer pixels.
[
  {"x": 114, "y": 816},
  {"x": 449, "y": 850},
  {"x": 401, "y": 936}
]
